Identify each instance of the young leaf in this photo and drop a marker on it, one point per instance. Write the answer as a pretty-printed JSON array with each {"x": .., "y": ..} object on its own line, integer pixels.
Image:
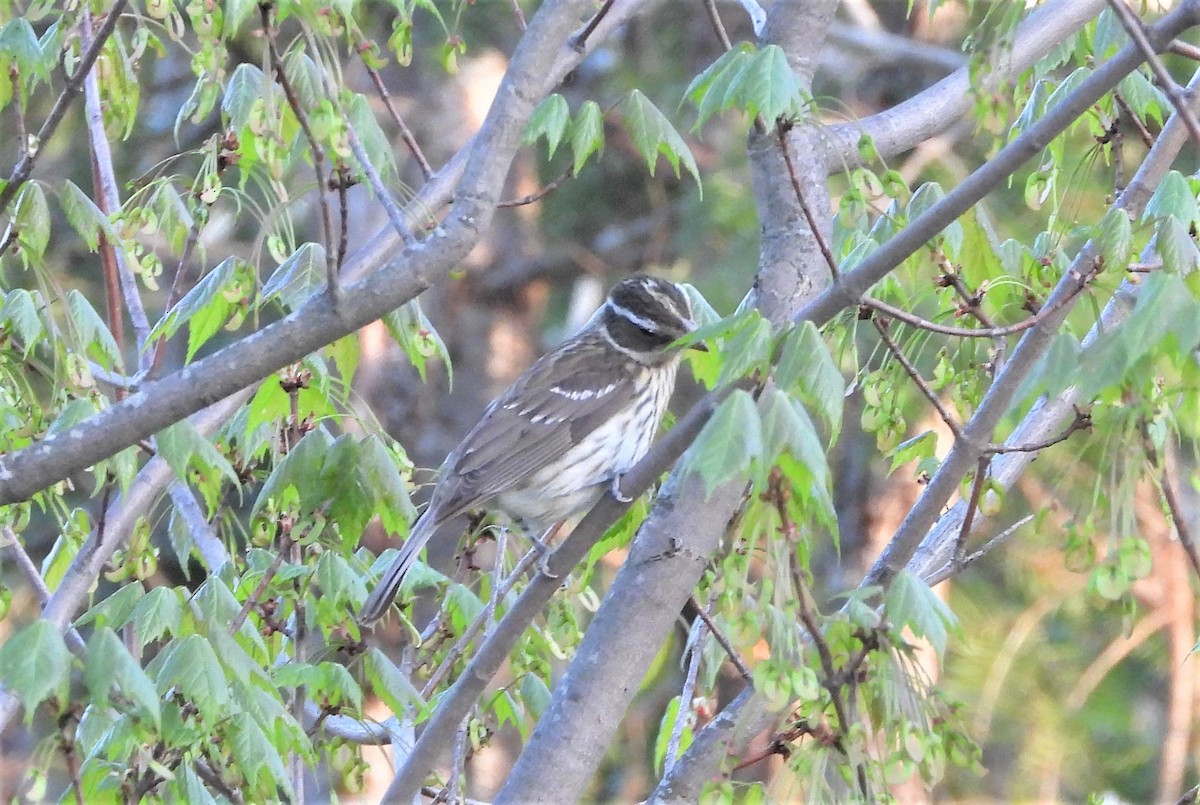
[
  {"x": 393, "y": 687},
  {"x": 653, "y": 134},
  {"x": 412, "y": 331},
  {"x": 807, "y": 369},
  {"x": 244, "y": 88},
  {"x": 157, "y": 613},
  {"x": 1173, "y": 198},
  {"x": 93, "y": 332},
  {"x": 21, "y": 311},
  {"x": 85, "y": 217},
  {"x": 297, "y": 277},
  {"x": 1115, "y": 238},
  {"x": 109, "y": 664},
  {"x": 709, "y": 91},
  {"x": 768, "y": 86},
  {"x": 910, "y": 602},
  {"x": 729, "y": 443},
  {"x": 31, "y": 221},
  {"x": 35, "y": 665},
  {"x": 192, "y": 667},
  {"x": 587, "y": 134},
  {"x": 549, "y": 120}
]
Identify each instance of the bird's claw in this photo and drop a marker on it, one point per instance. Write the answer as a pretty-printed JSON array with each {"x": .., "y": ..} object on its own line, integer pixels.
[{"x": 615, "y": 490}]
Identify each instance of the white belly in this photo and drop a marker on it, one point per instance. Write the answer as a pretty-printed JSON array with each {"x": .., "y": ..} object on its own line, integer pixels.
[{"x": 574, "y": 483}]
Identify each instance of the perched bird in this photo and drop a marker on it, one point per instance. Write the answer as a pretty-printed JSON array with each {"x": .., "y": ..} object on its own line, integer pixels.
[{"x": 548, "y": 447}]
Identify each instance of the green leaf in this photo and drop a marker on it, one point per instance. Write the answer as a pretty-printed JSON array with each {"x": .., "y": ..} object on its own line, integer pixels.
[
  {"x": 768, "y": 86},
  {"x": 93, "y": 332},
  {"x": 412, "y": 331},
  {"x": 182, "y": 446},
  {"x": 391, "y": 686},
  {"x": 747, "y": 351},
  {"x": 666, "y": 727},
  {"x": 788, "y": 428},
  {"x": 653, "y": 134},
  {"x": 19, "y": 43},
  {"x": 807, "y": 369},
  {"x": 212, "y": 298},
  {"x": 918, "y": 448},
  {"x": 1115, "y": 238},
  {"x": 587, "y": 134},
  {"x": 1173, "y": 198},
  {"x": 157, "y": 613},
  {"x": 109, "y": 664},
  {"x": 549, "y": 120},
  {"x": 374, "y": 141},
  {"x": 1175, "y": 246},
  {"x": 32, "y": 217},
  {"x": 85, "y": 217},
  {"x": 244, "y": 89},
  {"x": 728, "y": 444},
  {"x": 192, "y": 667},
  {"x": 910, "y": 602},
  {"x": 35, "y": 665},
  {"x": 253, "y": 754},
  {"x": 21, "y": 312},
  {"x": 298, "y": 277},
  {"x": 710, "y": 91},
  {"x": 114, "y": 610},
  {"x": 395, "y": 508}
]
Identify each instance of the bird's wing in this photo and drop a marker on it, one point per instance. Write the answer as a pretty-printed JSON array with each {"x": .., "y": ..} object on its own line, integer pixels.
[{"x": 561, "y": 399}]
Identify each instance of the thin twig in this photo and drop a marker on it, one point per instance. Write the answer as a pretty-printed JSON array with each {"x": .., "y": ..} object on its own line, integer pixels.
[
  {"x": 960, "y": 545},
  {"x": 318, "y": 153},
  {"x": 686, "y": 696},
  {"x": 1082, "y": 421},
  {"x": 259, "y": 590},
  {"x": 826, "y": 252},
  {"x": 710, "y": 6},
  {"x": 1178, "y": 517},
  {"x": 30, "y": 150},
  {"x": 915, "y": 376},
  {"x": 457, "y": 650},
  {"x": 1133, "y": 26},
  {"x": 966, "y": 332},
  {"x": 14, "y": 75},
  {"x": 1143, "y": 132},
  {"x": 395, "y": 215},
  {"x": 405, "y": 133},
  {"x": 953, "y": 568},
  {"x": 826, "y": 657},
  {"x": 519, "y": 14},
  {"x": 731, "y": 652},
  {"x": 1185, "y": 49},
  {"x": 579, "y": 40},
  {"x": 540, "y": 194},
  {"x": 343, "y": 182}
]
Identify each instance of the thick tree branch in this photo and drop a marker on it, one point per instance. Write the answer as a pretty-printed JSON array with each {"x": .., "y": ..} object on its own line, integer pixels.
[
  {"x": 387, "y": 275},
  {"x": 1049, "y": 416},
  {"x": 903, "y": 126},
  {"x": 454, "y": 705}
]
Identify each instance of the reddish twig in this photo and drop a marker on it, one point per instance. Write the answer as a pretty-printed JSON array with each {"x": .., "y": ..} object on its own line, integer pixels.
[
  {"x": 405, "y": 133},
  {"x": 723, "y": 640},
  {"x": 826, "y": 252},
  {"x": 540, "y": 194},
  {"x": 960, "y": 545},
  {"x": 915, "y": 376},
  {"x": 1082, "y": 421}
]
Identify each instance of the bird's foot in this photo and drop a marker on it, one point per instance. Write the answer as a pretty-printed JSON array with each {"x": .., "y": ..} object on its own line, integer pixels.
[{"x": 615, "y": 489}]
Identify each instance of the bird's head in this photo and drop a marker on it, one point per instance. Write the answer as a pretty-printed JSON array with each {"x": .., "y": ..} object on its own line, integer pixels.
[{"x": 645, "y": 315}]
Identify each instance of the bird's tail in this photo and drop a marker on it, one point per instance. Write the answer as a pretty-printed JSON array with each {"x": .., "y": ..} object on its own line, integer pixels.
[{"x": 381, "y": 598}]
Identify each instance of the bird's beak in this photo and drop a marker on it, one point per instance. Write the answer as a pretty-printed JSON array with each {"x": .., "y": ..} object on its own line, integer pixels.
[{"x": 699, "y": 346}]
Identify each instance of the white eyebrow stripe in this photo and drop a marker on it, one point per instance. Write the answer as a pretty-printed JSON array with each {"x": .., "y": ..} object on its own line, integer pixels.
[{"x": 645, "y": 324}]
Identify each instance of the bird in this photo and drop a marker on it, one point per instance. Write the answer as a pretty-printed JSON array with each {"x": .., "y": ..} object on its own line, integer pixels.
[{"x": 567, "y": 429}]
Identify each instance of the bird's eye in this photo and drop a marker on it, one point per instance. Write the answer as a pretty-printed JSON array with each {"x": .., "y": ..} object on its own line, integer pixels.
[{"x": 648, "y": 332}]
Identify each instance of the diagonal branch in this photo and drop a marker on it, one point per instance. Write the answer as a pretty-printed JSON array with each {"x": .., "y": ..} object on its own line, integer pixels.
[
  {"x": 29, "y": 151},
  {"x": 385, "y": 273}
]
